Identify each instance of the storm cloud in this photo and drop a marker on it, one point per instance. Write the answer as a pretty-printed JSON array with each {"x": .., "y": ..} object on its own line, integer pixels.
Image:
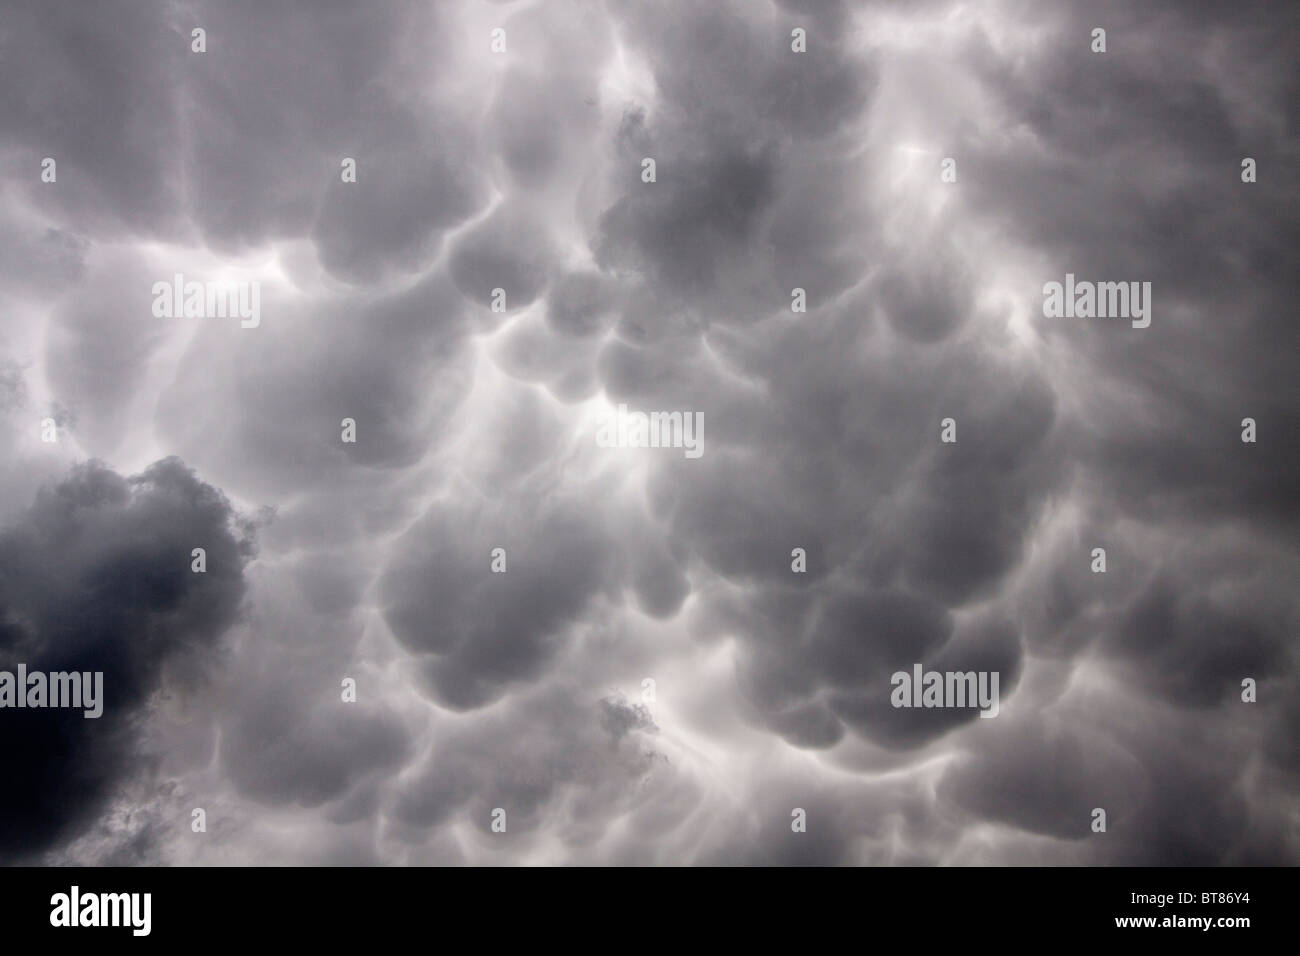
[{"x": 823, "y": 226}]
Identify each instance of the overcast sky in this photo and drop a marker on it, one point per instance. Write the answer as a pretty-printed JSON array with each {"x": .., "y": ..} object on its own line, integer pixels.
[{"x": 649, "y": 681}]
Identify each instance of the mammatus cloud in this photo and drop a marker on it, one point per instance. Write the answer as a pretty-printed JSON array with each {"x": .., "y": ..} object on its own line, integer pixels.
[{"x": 472, "y": 632}]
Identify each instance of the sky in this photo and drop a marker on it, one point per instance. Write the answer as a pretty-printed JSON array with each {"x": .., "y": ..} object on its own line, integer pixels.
[{"x": 458, "y": 246}]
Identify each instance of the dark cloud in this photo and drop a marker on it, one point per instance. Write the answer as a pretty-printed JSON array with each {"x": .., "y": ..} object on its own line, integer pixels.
[{"x": 97, "y": 577}]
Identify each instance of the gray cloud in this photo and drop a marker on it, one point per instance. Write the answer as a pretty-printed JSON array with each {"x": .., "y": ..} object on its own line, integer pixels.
[{"x": 633, "y": 568}]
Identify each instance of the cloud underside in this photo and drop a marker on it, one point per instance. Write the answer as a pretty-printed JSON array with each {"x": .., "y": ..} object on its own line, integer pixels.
[{"x": 649, "y": 680}]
